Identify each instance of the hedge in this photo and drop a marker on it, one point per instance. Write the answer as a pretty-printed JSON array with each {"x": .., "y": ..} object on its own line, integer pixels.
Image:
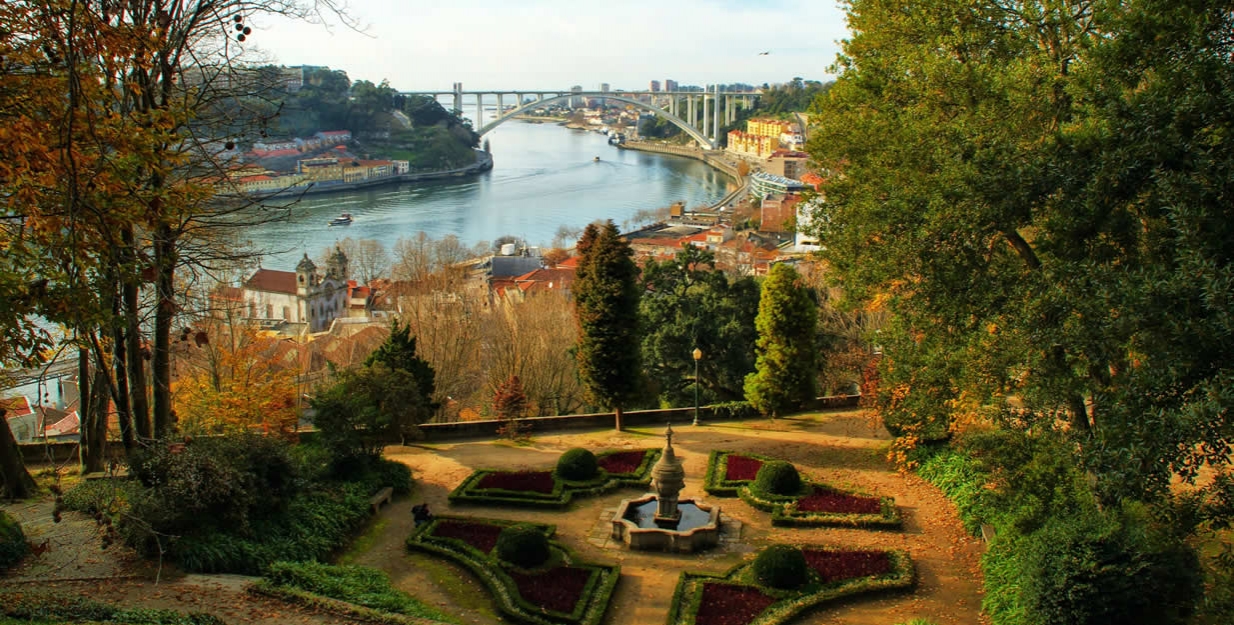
[
  {"x": 354, "y": 591},
  {"x": 43, "y": 607},
  {"x": 564, "y": 491},
  {"x": 787, "y": 604},
  {"x": 496, "y": 575},
  {"x": 783, "y": 509}
]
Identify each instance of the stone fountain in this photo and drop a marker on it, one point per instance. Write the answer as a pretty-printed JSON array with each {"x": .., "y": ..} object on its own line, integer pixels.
[{"x": 659, "y": 520}]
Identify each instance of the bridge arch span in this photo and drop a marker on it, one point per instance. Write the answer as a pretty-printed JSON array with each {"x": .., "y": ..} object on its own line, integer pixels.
[{"x": 677, "y": 121}]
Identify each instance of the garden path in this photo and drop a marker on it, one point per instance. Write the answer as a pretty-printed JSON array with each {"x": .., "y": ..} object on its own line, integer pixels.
[{"x": 840, "y": 448}]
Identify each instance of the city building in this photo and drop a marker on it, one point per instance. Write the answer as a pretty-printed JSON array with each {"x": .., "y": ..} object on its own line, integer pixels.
[
  {"x": 655, "y": 86},
  {"x": 296, "y": 297},
  {"x": 670, "y": 85},
  {"x": 779, "y": 213},
  {"x": 788, "y": 163},
  {"x": 576, "y": 101},
  {"x": 748, "y": 144},
  {"x": 773, "y": 128},
  {"x": 763, "y": 184}
]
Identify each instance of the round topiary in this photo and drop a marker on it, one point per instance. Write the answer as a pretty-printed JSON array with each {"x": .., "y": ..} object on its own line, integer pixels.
[
  {"x": 522, "y": 545},
  {"x": 780, "y": 566},
  {"x": 778, "y": 478},
  {"x": 577, "y": 465},
  {"x": 12, "y": 542}
]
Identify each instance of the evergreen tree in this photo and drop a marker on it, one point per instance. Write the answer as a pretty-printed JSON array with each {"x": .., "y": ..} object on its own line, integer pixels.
[
  {"x": 606, "y": 299},
  {"x": 398, "y": 353},
  {"x": 784, "y": 375}
]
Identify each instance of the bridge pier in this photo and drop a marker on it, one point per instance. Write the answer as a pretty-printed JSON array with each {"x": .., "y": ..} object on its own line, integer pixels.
[
  {"x": 715, "y": 120},
  {"x": 458, "y": 99},
  {"x": 706, "y": 112}
]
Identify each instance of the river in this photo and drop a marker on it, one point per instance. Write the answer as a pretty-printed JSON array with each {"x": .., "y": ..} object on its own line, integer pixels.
[{"x": 544, "y": 176}]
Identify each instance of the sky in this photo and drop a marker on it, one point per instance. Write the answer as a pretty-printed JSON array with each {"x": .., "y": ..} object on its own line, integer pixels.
[{"x": 556, "y": 44}]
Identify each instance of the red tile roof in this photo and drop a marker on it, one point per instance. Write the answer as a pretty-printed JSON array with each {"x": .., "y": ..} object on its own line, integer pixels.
[
  {"x": 273, "y": 281},
  {"x": 16, "y": 407}
]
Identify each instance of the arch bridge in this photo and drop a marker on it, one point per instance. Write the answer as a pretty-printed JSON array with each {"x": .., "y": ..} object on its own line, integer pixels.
[{"x": 698, "y": 113}]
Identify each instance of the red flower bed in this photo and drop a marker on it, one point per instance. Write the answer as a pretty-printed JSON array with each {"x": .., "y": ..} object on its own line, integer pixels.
[
  {"x": 725, "y": 604},
  {"x": 532, "y": 481},
  {"x": 825, "y": 500},
  {"x": 836, "y": 565},
  {"x": 558, "y": 589},
  {"x": 741, "y": 467},
  {"x": 622, "y": 461},
  {"x": 482, "y": 536}
]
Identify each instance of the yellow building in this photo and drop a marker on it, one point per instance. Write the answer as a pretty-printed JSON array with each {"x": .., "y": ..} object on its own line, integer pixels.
[{"x": 750, "y": 144}]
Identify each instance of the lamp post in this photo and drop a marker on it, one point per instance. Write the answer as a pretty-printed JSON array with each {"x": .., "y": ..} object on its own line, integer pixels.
[{"x": 698, "y": 355}]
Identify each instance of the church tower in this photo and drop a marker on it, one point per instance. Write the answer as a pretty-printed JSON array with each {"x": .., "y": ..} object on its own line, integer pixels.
[
  {"x": 336, "y": 265},
  {"x": 306, "y": 277}
]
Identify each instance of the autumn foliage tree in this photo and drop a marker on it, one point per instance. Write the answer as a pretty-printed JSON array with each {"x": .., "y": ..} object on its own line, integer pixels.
[
  {"x": 510, "y": 404},
  {"x": 232, "y": 384}
]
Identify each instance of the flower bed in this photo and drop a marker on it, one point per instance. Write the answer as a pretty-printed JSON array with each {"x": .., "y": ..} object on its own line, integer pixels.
[
  {"x": 622, "y": 462},
  {"x": 532, "y": 481},
  {"x": 561, "y": 592},
  {"x": 827, "y": 500},
  {"x": 736, "y": 597},
  {"x": 543, "y": 489},
  {"x": 726, "y": 604},
  {"x": 731, "y": 474},
  {"x": 835, "y": 565},
  {"x": 481, "y": 536}
]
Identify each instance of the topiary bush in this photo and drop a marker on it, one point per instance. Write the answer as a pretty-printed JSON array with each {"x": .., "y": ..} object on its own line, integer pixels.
[
  {"x": 778, "y": 477},
  {"x": 12, "y": 542},
  {"x": 522, "y": 545},
  {"x": 577, "y": 465},
  {"x": 781, "y": 566}
]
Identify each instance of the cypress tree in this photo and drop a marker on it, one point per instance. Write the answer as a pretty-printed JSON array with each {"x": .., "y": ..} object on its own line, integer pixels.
[
  {"x": 606, "y": 298},
  {"x": 785, "y": 368},
  {"x": 398, "y": 352}
]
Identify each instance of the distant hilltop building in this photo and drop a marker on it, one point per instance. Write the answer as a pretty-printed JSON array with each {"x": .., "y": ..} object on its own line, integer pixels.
[{"x": 302, "y": 297}]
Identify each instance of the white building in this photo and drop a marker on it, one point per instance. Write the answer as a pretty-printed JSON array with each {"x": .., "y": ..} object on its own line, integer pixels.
[{"x": 301, "y": 297}]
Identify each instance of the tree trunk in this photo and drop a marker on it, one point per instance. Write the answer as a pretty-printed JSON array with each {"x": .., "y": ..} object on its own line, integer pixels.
[
  {"x": 139, "y": 406},
  {"x": 84, "y": 405},
  {"x": 15, "y": 481},
  {"x": 165, "y": 262},
  {"x": 94, "y": 424},
  {"x": 617, "y": 412},
  {"x": 123, "y": 408}
]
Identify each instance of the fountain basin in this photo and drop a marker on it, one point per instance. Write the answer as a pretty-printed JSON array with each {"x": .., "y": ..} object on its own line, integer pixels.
[{"x": 696, "y": 529}]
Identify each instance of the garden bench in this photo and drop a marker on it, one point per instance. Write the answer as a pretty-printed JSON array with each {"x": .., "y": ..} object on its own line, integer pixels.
[{"x": 382, "y": 496}]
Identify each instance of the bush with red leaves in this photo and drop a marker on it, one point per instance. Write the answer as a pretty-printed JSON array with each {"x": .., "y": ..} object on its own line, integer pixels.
[
  {"x": 827, "y": 500},
  {"x": 622, "y": 461},
  {"x": 530, "y": 481},
  {"x": 741, "y": 467},
  {"x": 837, "y": 565},
  {"x": 558, "y": 589},
  {"x": 726, "y": 604},
  {"x": 482, "y": 536}
]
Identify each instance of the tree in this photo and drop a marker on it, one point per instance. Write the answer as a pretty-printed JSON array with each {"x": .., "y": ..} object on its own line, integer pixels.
[
  {"x": 398, "y": 353},
  {"x": 524, "y": 339},
  {"x": 1042, "y": 213},
  {"x": 606, "y": 308},
  {"x": 687, "y": 304},
  {"x": 368, "y": 408},
  {"x": 510, "y": 404},
  {"x": 15, "y": 481},
  {"x": 229, "y": 382},
  {"x": 785, "y": 369}
]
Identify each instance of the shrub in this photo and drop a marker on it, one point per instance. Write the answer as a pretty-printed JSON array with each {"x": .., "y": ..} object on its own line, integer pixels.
[
  {"x": 43, "y": 607},
  {"x": 353, "y": 584},
  {"x": 522, "y": 545},
  {"x": 780, "y": 566},
  {"x": 1088, "y": 569},
  {"x": 778, "y": 478},
  {"x": 12, "y": 542},
  {"x": 577, "y": 465}
]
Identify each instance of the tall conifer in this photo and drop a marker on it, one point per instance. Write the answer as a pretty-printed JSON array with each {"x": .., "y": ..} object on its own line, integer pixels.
[
  {"x": 606, "y": 298},
  {"x": 784, "y": 373}
]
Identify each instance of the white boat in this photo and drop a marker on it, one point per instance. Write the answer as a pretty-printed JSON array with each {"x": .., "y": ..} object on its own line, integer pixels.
[
  {"x": 341, "y": 220},
  {"x": 596, "y": 159}
]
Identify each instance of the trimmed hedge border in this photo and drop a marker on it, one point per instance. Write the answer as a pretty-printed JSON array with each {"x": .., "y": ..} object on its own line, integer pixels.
[
  {"x": 783, "y": 510},
  {"x": 337, "y": 607},
  {"x": 788, "y": 603},
  {"x": 564, "y": 491},
  {"x": 589, "y": 610}
]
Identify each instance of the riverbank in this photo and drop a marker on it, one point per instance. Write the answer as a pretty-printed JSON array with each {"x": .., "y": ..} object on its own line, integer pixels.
[
  {"x": 484, "y": 162},
  {"x": 715, "y": 159}
]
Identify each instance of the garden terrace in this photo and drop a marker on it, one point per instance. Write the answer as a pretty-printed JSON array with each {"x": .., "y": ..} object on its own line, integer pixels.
[
  {"x": 544, "y": 489},
  {"x": 737, "y": 598},
  {"x": 732, "y": 474},
  {"x": 559, "y": 592}
]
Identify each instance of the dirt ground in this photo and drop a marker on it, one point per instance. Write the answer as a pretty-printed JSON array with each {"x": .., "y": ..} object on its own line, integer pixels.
[{"x": 842, "y": 449}]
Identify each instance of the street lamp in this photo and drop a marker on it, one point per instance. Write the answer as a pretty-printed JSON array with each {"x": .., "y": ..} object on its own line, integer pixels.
[{"x": 698, "y": 355}]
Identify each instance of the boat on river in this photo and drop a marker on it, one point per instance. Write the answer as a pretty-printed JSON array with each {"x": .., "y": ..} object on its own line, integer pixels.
[
  {"x": 596, "y": 159},
  {"x": 342, "y": 220}
]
